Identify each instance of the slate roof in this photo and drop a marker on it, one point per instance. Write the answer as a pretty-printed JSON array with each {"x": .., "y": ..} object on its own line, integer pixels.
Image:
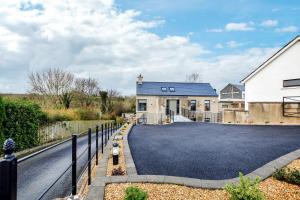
[
  {"x": 181, "y": 89},
  {"x": 240, "y": 87}
]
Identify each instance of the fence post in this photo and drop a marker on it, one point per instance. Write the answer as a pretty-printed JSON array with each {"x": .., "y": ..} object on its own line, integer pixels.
[
  {"x": 108, "y": 131},
  {"x": 111, "y": 128},
  {"x": 97, "y": 134},
  {"x": 8, "y": 172},
  {"x": 104, "y": 134},
  {"x": 74, "y": 164},
  {"x": 89, "y": 156},
  {"x": 102, "y": 138}
]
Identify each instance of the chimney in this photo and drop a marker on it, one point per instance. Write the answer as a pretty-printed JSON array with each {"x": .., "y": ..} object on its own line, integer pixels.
[{"x": 140, "y": 79}]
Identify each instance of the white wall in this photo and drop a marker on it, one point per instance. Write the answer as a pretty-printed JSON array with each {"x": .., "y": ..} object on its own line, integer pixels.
[{"x": 267, "y": 84}]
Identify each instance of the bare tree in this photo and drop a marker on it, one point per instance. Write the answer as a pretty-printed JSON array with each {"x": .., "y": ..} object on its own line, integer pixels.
[
  {"x": 194, "y": 77},
  {"x": 54, "y": 83},
  {"x": 86, "y": 88}
]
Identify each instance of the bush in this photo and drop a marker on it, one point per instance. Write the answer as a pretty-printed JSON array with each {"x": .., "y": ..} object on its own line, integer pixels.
[
  {"x": 87, "y": 114},
  {"x": 118, "y": 172},
  {"x": 56, "y": 115},
  {"x": 288, "y": 175},
  {"x": 134, "y": 193},
  {"x": 279, "y": 174},
  {"x": 2, "y": 119},
  {"x": 245, "y": 190},
  {"x": 22, "y": 121}
]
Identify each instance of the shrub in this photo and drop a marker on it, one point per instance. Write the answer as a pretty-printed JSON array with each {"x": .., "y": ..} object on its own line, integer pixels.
[
  {"x": 118, "y": 172},
  {"x": 279, "y": 174},
  {"x": 87, "y": 114},
  {"x": 2, "y": 119},
  {"x": 245, "y": 190},
  {"x": 56, "y": 115},
  {"x": 22, "y": 121},
  {"x": 288, "y": 175},
  {"x": 134, "y": 193}
]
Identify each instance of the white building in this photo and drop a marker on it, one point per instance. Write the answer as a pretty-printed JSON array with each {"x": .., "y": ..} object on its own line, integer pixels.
[
  {"x": 276, "y": 78},
  {"x": 272, "y": 91}
]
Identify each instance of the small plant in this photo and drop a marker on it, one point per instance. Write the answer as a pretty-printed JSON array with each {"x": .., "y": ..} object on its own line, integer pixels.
[
  {"x": 279, "y": 174},
  {"x": 118, "y": 172},
  {"x": 245, "y": 190},
  {"x": 134, "y": 193},
  {"x": 288, "y": 175}
]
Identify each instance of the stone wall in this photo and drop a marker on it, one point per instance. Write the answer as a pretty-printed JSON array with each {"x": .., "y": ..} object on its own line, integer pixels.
[{"x": 259, "y": 113}]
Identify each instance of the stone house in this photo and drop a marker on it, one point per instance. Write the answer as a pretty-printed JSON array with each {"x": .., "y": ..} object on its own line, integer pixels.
[
  {"x": 155, "y": 100},
  {"x": 232, "y": 97}
]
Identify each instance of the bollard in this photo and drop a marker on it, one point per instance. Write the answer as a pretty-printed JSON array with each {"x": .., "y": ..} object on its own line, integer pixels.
[
  {"x": 74, "y": 164},
  {"x": 8, "y": 172},
  {"x": 89, "y": 156},
  {"x": 97, "y": 134},
  {"x": 115, "y": 153},
  {"x": 102, "y": 138}
]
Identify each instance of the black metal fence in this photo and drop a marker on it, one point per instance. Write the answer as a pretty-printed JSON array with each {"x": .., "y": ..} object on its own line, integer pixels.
[{"x": 66, "y": 183}]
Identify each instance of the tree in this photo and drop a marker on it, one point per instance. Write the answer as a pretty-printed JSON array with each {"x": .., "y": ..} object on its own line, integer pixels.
[
  {"x": 103, "y": 97},
  {"x": 86, "y": 89},
  {"x": 111, "y": 94},
  {"x": 55, "y": 84},
  {"x": 107, "y": 99},
  {"x": 194, "y": 77}
]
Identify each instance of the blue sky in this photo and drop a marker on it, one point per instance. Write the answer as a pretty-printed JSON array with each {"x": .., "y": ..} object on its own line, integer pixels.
[
  {"x": 194, "y": 18},
  {"x": 115, "y": 40}
]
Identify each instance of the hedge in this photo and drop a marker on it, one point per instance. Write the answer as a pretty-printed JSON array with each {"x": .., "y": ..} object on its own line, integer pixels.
[
  {"x": 2, "y": 118},
  {"x": 22, "y": 122}
]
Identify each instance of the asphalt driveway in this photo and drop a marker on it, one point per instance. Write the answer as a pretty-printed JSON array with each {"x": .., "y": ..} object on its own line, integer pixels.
[{"x": 208, "y": 151}]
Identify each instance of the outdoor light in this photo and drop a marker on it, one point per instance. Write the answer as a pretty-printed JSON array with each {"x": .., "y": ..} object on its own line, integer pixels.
[{"x": 115, "y": 152}]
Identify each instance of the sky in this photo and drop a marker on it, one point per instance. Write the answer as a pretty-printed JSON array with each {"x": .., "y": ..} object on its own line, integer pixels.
[{"x": 115, "y": 40}]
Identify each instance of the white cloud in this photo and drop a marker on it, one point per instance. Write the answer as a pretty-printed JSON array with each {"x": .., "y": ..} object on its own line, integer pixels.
[
  {"x": 215, "y": 30},
  {"x": 269, "y": 23},
  {"x": 92, "y": 38},
  {"x": 234, "y": 44},
  {"x": 288, "y": 29},
  {"x": 219, "y": 46},
  {"x": 239, "y": 27}
]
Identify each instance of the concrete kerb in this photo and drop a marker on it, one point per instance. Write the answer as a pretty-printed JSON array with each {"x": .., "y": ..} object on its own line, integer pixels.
[{"x": 263, "y": 172}]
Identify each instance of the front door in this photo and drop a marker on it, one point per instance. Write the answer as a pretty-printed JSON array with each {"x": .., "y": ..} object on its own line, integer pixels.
[{"x": 173, "y": 104}]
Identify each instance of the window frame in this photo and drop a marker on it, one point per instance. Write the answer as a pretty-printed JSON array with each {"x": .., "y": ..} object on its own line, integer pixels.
[
  {"x": 288, "y": 86},
  {"x": 172, "y": 89},
  {"x": 164, "y": 89},
  {"x": 138, "y": 105},
  {"x": 195, "y": 104},
  {"x": 209, "y": 105}
]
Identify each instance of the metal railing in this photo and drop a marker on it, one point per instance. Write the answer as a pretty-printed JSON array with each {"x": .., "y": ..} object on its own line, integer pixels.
[
  {"x": 291, "y": 106},
  {"x": 73, "y": 172},
  {"x": 199, "y": 116}
]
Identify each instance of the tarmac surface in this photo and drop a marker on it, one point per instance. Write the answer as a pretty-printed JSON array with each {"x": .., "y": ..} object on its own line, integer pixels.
[{"x": 208, "y": 151}]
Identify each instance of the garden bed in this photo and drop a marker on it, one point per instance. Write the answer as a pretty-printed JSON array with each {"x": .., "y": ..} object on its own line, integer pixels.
[{"x": 272, "y": 189}]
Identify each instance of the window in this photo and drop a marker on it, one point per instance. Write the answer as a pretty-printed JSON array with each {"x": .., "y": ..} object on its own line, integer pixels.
[
  {"x": 163, "y": 89},
  {"x": 193, "y": 105},
  {"x": 171, "y": 89},
  {"x": 142, "y": 105},
  {"x": 291, "y": 83},
  {"x": 207, "y": 105}
]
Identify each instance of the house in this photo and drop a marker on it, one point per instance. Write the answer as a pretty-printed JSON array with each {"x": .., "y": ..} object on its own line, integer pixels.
[
  {"x": 232, "y": 96},
  {"x": 156, "y": 100},
  {"x": 272, "y": 91}
]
